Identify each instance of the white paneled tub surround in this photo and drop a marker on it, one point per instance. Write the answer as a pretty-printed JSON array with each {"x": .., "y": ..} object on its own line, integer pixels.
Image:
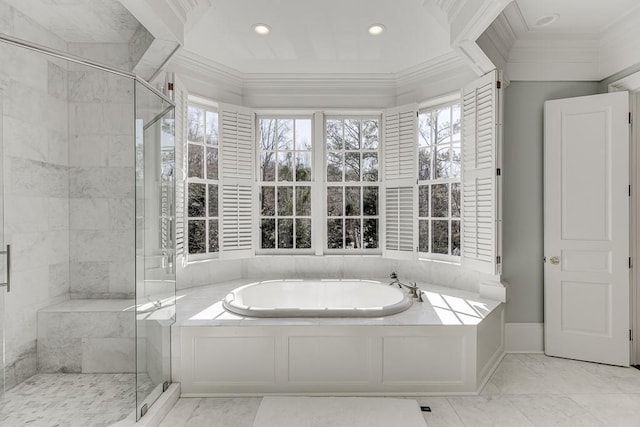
[
  {"x": 317, "y": 298},
  {"x": 450, "y": 343}
]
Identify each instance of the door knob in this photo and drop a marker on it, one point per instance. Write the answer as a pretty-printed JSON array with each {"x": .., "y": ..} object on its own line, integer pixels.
[{"x": 554, "y": 260}]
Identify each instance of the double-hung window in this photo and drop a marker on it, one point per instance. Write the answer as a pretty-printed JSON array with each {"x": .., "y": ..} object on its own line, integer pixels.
[
  {"x": 439, "y": 174},
  {"x": 285, "y": 180},
  {"x": 202, "y": 181},
  {"x": 352, "y": 183}
]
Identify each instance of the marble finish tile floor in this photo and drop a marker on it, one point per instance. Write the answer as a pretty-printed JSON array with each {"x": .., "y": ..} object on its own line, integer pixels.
[
  {"x": 525, "y": 390},
  {"x": 69, "y": 400}
]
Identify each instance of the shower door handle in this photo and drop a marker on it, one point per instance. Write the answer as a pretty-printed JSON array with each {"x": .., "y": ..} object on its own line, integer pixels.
[{"x": 8, "y": 282}]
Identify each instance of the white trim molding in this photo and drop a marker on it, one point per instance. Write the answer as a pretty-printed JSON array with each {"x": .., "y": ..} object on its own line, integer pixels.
[
  {"x": 468, "y": 23},
  {"x": 544, "y": 56},
  {"x": 210, "y": 79},
  {"x": 524, "y": 337}
]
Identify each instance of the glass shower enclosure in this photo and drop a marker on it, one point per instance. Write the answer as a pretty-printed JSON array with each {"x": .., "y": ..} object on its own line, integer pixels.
[
  {"x": 87, "y": 295},
  {"x": 155, "y": 243}
]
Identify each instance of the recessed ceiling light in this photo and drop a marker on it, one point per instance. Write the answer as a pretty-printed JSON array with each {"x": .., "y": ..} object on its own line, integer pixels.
[
  {"x": 261, "y": 29},
  {"x": 546, "y": 20},
  {"x": 376, "y": 29}
]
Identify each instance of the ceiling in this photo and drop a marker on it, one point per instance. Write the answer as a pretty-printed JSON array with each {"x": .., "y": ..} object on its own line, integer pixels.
[
  {"x": 81, "y": 21},
  {"x": 576, "y": 16},
  {"x": 316, "y": 37}
]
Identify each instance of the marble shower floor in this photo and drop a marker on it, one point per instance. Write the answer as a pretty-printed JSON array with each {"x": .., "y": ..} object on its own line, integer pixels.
[
  {"x": 81, "y": 400},
  {"x": 525, "y": 390}
]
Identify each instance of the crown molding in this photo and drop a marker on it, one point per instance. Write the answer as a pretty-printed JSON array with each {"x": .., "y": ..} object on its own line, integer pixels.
[
  {"x": 497, "y": 40},
  {"x": 467, "y": 22},
  {"x": 502, "y": 35},
  {"x": 546, "y": 56},
  {"x": 441, "y": 64},
  {"x": 300, "y": 81},
  {"x": 182, "y": 7},
  {"x": 620, "y": 45},
  {"x": 265, "y": 89},
  {"x": 450, "y": 7},
  {"x": 206, "y": 67},
  {"x": 514, "y": 17},
  {"x": 473, "y": 18}
]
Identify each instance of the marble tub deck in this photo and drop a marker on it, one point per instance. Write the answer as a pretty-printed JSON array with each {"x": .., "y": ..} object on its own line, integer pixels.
[
  {"x": 202, "y": 306},
  {"x": 525, "y": 390}
]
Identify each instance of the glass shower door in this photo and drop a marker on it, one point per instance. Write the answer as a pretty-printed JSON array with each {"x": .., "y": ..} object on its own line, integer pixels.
[
  {"x": 155, "y": 244},
  {"x": 3, "y": 273}
]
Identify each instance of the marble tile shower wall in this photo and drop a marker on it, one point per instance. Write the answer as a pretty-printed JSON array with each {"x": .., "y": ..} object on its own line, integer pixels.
[
  {"x": 33, "y": 89},
  {"x": 101, "y": 176}
]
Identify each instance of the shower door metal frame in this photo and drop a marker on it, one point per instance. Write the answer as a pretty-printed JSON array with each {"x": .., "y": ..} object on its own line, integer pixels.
[{"x": 82, "y": 61}]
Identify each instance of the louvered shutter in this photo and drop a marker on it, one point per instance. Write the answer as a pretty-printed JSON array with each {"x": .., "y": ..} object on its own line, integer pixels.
[
  {"x": 479, "y": 174},
  {"x": 180, "y": 98},
  {"x": 236, "y": 160},
  {"x": 399, "y": 175}
]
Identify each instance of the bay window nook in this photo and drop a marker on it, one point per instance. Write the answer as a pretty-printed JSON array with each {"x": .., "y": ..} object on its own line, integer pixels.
[{"x": 414, "y": 182}]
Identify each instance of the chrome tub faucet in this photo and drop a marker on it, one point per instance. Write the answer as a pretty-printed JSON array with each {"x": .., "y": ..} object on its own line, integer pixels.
[{"x": 413, "y": 288}]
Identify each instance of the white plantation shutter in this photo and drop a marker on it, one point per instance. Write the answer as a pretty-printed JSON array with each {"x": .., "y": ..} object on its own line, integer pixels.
[
  {"x": 400, "y": 165},
  {"x": 236, "y": 161},
  {"x": 400, "y": 142},
  {"x": 400, "y": 219},
  {"x": 479, "y": 174},
  {"x": 236, "y": 129},
  {"x": 237, "y": 217},
  {"x": 180, "y": 97}
]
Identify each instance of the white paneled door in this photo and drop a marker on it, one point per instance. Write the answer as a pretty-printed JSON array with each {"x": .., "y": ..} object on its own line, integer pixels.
[{"x": 586, "y": 228}]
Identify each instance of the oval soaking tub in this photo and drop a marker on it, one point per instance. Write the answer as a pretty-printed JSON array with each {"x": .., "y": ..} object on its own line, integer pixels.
[{"x": 317, "y": 298}]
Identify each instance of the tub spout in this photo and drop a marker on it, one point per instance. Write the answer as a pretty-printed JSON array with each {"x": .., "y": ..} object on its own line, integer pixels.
[{"x": 395, "y": 280}]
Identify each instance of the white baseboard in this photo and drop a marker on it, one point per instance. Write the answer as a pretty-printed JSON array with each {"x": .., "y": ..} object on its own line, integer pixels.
[{"x": 524, "y": 337}]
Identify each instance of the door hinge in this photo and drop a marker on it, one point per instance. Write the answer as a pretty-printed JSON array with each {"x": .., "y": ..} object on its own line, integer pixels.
[
  {"x": 498, "y": 171},
  {"x": 169, "y": 86},
  {"x": 630, "y": 335},
  {"x": 498, "y": 259},
  {"x": 630, "y": 265},
  {"x": 629, "y": 117},
  {"x": 629, "y": 191},
  {"x": 499, "y": 84}
]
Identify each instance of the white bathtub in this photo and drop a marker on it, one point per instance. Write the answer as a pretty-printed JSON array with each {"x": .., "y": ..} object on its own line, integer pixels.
[{"x": 317, "y": 298}]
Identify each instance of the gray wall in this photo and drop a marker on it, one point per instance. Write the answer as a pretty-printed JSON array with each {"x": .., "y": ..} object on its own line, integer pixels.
[{"x": 522, "y": 191}]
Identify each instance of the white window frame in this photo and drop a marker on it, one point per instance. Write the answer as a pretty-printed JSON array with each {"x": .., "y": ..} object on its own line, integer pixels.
[
  {"x": 340, "y": 115},
  {"x": 283, "y": 115},
  {"x": 210, "y": 106},
  {"x": 448, "y": 101}
]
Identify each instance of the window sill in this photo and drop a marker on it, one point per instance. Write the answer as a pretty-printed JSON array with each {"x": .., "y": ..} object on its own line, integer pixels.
[{"x": 456, "y": 262}]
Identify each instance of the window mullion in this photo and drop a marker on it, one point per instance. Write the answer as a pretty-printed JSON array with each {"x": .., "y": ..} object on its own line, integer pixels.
[{"x": 318, "y": 183}]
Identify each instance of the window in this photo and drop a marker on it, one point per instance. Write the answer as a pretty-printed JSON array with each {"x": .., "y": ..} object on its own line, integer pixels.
[
  {"x": 285, "y": 183},
  {"x": 352, "y": 146},
  {"x": 439, "y": 172},
  {"x": 202, "y": 181}
]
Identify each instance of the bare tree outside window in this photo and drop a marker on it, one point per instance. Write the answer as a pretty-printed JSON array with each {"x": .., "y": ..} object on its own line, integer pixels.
[
  {"x": 285, "y": 146},
  {"x": 352, "y": 147},
  {"x": 439, "y": 170},
  {"x": 202, "y": 181}
]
